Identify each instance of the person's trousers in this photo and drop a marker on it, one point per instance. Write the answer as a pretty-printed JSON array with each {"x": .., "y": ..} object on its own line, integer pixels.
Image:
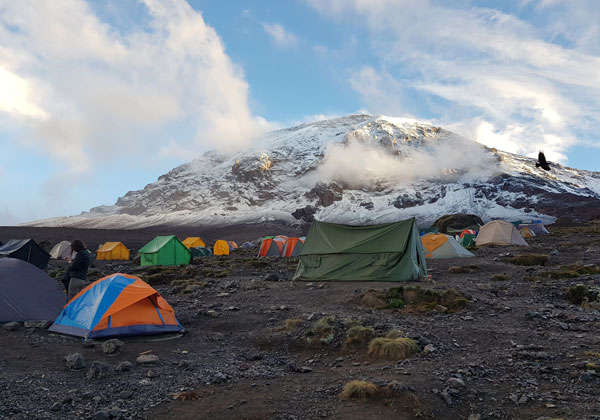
[{"x": 75, "y": 286}]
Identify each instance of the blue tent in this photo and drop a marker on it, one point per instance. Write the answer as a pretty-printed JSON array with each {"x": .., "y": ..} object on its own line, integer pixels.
[
  {"x": 27, "y": 293},
  {"x": 26, "y": 250},
  {"x": 117, "y": 305}
]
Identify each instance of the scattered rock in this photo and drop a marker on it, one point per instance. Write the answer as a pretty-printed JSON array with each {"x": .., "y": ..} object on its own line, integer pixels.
[
  {"x": 56, "y": 406},
  {"x": 474, "y": 417},
  {"x": 98, "y": 370},
  {"x": 271, "y": 277},
  {"x": 151, "y": 373},
  {"x": 212, "y": 313},
  {"x": 112, "y": 346},
  {"x": 124, "y": 366},
  {"x": 455, "y": 382},
  {"x": 554, "y": 252},
  {"x": 88, "y": 343},
  {"x": 293, "y": 367},
  {"x": 112, "y": 414},
  {"x": 147, "y": 359},
  {"x": 11, "y": 326},
  {"x": 429, "y": 348},
  {"x": 75, "y": 361},
  {"x": 43, "y": 324}
]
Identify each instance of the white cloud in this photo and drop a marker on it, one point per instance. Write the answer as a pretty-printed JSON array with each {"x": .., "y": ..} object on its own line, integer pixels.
[
  {"x": 491, "y": 75},
  {"x": 88, "y": 91},
  {"x": 280, "y": 35}
]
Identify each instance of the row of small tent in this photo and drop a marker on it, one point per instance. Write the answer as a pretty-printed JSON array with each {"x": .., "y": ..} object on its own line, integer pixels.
[
  {"x": 162, "y": 250},
  {"x": 121, "y": 304},
  {"x": 115, "y": 305}
]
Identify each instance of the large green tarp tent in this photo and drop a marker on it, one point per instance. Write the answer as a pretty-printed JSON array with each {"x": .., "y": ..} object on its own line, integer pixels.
[
  {"x": 164, "y": 250},
  {"x": 386, "y": 252}
]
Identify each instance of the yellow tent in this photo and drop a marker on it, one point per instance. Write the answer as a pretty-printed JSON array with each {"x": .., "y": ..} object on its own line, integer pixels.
[
  {"x": 112, "y": 251},
  {"x": 221, "y": 248},
  {"x": 193, "y": 241}
]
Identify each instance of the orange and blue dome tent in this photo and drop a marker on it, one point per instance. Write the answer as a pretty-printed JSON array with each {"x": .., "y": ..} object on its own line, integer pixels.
[
  {"x": 292, "y": 247},
  {"x": 271, "y": 247},
  {"x": 112, "y": 251},
  {"x": 232, "y": 245},
  {"x": 114, "y": 306}
]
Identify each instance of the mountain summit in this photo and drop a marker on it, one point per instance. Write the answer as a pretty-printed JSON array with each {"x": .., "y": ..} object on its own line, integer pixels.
[{"x": 356, "y": 169}]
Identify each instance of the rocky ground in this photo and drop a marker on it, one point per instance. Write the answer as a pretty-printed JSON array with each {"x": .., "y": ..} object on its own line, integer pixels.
[{"x": 524, "y": 345}]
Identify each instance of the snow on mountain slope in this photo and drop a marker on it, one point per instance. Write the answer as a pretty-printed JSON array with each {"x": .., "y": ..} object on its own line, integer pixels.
[{"x": 355, "y": 169}]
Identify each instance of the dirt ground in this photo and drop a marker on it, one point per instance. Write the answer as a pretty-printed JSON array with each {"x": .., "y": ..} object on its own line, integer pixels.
[{"x": 518, "y": 350}]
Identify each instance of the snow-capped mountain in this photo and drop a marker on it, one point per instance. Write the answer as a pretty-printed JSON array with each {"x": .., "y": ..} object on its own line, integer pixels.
[{"x": 356, "y": 169}]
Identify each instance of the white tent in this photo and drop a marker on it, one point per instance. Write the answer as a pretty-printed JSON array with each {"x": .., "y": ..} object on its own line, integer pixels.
[
  {"x": 499, "y": 232},
  {"x": 61, "y": 250}
]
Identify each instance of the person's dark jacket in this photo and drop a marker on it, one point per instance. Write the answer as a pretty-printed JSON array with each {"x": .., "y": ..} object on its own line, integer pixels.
[{"x": 78, "y": 267}]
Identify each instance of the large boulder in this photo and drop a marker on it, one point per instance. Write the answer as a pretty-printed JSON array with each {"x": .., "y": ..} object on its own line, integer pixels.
[{"x": 457, "y": 221}]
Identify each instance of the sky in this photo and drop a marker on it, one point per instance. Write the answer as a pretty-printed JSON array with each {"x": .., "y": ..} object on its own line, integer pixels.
[{"x": 100, "y": 97}]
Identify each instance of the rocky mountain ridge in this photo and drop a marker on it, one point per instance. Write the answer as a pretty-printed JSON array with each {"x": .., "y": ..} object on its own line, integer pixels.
[{"x": 356, "y": 169}]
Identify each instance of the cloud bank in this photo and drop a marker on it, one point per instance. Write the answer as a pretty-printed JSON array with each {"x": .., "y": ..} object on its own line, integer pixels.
[
  {"x": 487, "y": 74},
  {"x": 146, "y": 79}
]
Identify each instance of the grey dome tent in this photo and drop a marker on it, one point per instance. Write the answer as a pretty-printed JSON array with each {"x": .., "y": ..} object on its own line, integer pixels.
[
  {"x": 27, "y": 293},
  {"x": 26, "y": 250}
]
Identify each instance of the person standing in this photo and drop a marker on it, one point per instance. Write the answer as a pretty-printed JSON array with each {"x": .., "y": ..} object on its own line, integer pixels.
[{"x": 75, "y": 278}]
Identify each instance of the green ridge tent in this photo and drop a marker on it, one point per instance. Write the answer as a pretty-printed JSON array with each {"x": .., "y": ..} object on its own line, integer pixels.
[
  {"x": 164, "y": 250},
  {"x": 386, "y": 252}
]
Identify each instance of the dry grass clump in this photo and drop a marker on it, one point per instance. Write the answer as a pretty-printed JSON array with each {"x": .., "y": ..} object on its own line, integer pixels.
[
  {"x": 500, "y": 277},
  {"x": 372, "y": 299},
  {"x": 291, "y": 324},
  {"x": 592, "y": 354},
  {"x": 187, "y": 286},
  {"x": 392, "y": 348},
  {"x": 323, "y": 325},
  {"x": 572, "y": 271},
  {"x": 186, "y": 395},
  {"x": 530, "y": 259},
  {"x": 453, "y": 300},
  {"x": 414, "y": 299},
  {"x": 576, "y": 294},
  {"x": 358, "y": 337},
  {"x": 460, "y": 269},
  {"x": 359, "y": 390},
  {"x": 395, "y": 334}
]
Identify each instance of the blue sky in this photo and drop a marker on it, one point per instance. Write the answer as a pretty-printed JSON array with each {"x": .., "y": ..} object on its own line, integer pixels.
[{"x": 93, "y": 110}]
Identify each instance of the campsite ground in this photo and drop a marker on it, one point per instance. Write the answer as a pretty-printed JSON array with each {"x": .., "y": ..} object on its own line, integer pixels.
[{"x": 517, "y": 351}]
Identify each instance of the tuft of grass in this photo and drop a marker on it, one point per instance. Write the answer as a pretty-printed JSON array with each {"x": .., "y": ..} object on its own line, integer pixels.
[
  {"x": 562, "y": 274},
  {"x": 453, "y": 300},
  {"x": 592, "y": 366},
  {"x": 530, "y": 259},
  {"x": 592, "y": 354},
  {"x": 323, "y": 325},
  {"x": 359, "y": 390},
  {"x": 459, "y": 269},
  {"x": 500, "y": 277},
  {"x": 395, "y": 303},
  {"x": 372, "y": 299},
  {"x": 395, "y": 334},
  {"x": 292, "y": 324},
  {"x": 358, "y": 337},
  {"x": 392, "y": 348},
  {"x": 575, "y": 294}
]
